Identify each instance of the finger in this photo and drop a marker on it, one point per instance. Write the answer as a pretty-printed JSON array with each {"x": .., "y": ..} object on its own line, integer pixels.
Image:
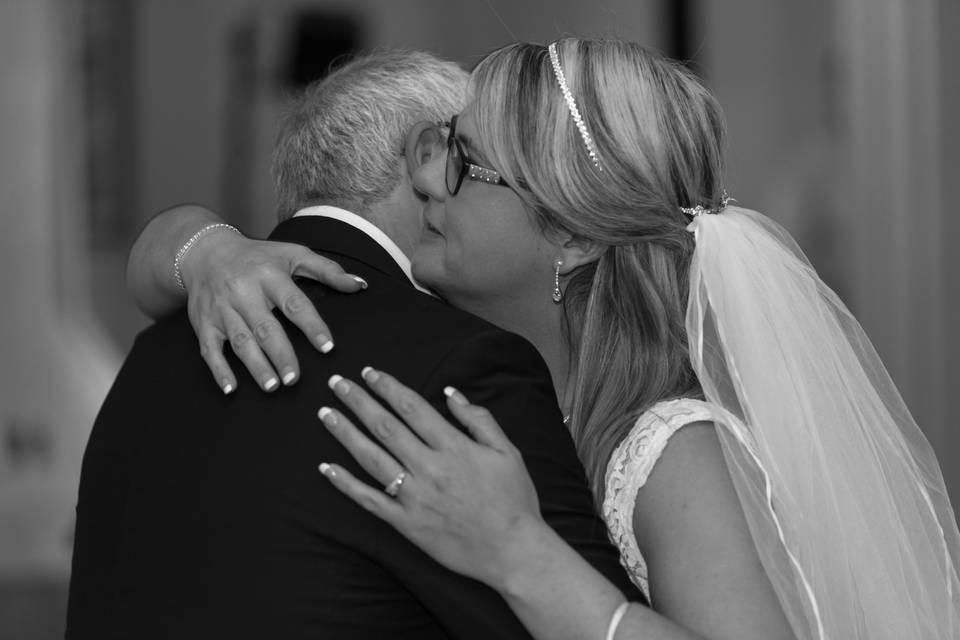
[
  {"x": 479, "y": 422},
  {"x": 374, "y": 460},
  {"x": 376, "y": 502},
  {"x": 299, "y": 310},
  {"x": 272, "y": 340},
  {"x": 211, "y": 348},
  {"x": 304, "y": 262},
  {"x": 245, "y": 346},
  {"x": 385, "y": 427},
  {"x": 415, "y": 411}
]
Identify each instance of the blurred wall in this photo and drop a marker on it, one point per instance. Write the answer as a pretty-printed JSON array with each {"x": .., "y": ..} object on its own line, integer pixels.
[
  {"x": 57, "y": 362},
  {"x": 948, "y": 19}
]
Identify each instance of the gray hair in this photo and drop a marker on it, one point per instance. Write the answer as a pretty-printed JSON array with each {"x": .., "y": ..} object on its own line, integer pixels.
[{"x": 339, "y": 141}]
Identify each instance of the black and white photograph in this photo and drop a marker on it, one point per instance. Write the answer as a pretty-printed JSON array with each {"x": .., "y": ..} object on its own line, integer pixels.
[{"x": 442, "y": 320}]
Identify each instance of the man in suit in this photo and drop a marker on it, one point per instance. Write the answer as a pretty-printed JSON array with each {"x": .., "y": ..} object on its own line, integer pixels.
[{"x": 202, "y": 515}]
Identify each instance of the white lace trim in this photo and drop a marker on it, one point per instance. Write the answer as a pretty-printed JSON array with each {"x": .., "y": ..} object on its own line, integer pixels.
[{"x": 630, "y": 466}]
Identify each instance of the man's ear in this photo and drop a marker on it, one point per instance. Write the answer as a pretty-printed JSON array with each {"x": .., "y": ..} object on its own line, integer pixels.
[
  {"x": 423, "y": 141},
  {"x": 576, "y": 252}
]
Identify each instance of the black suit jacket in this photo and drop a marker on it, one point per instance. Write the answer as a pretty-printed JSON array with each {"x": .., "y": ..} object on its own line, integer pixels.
[{"x": 204, "y": 516}]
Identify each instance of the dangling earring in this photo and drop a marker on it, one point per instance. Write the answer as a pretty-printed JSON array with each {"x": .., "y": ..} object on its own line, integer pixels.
[{"x": 557, "y": 294}]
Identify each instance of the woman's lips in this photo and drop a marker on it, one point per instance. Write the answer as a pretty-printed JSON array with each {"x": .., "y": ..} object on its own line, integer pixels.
[{"x": 432, "y": 229}]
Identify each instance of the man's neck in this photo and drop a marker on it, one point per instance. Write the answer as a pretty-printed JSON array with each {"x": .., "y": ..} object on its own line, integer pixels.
[
  {"x": 390, "y": 221},
  {"x": 388, "y": 215},
  {"x": 364, "y": 225}
]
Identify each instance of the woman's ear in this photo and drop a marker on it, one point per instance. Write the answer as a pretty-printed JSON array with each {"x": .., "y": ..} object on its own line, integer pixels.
[
  {"x": 576, "y": 252},
  {"x": 422, "y": 143}
]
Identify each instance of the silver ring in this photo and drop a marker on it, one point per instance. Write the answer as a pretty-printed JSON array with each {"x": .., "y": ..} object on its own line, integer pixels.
[{"x": 393, "y": 488}]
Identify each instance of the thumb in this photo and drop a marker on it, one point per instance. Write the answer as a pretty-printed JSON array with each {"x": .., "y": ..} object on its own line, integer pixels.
[{"x": 479, "y": 422}]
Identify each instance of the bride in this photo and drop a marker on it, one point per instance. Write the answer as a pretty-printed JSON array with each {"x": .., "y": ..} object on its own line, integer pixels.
[{"x": 751, "y": 457}]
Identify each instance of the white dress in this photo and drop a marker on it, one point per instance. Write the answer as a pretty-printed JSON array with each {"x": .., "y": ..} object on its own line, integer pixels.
[{"x": 630, "y": 466}]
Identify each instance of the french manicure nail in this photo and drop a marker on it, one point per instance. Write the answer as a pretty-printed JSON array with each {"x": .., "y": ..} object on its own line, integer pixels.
[
  {"x": 327, "y": 470},
  {"x": 227, "y": 388},
  {"x": 334, "y": 381},
  {"x": 327, "y": 415},
  {"x": 270, "y": 384},
  {"x": 370, "y": 375},
  {"x": 289, "y": 377},
  {"x": 455, "y": 395},
  {"x": 361, "y": 281},
  {"x": 326, "y": 344}
]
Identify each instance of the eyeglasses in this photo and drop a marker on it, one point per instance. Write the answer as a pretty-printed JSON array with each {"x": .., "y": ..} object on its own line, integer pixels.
[{"x": 460, "y": 167}]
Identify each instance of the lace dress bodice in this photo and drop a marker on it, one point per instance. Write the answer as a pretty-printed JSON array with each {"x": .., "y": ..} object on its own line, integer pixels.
[{"x": 630, "y": 466}]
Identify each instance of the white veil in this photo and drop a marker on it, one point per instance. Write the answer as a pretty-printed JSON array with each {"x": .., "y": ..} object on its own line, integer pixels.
[{"x": 842, "y": 493}]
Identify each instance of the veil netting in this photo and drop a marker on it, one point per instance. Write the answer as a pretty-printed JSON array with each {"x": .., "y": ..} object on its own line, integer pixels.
[{"x": 842, "y": 493}]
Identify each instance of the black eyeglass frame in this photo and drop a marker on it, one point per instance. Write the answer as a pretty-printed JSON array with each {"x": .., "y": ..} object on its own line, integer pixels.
[{"x": 467, "y": 169}]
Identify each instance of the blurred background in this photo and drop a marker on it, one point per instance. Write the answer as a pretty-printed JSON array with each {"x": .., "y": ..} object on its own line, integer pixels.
[{"x": 111, "y": 110}]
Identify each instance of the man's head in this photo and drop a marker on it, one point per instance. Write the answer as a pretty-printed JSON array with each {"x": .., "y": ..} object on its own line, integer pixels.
[{"x": 342, "y": 141}]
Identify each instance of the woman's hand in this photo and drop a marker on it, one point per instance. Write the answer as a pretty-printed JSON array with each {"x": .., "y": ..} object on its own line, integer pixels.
[
  {"x": 469, "y": 504},
  {"x": 472, "y": 506},
  {"x": 234, "y": 283}
]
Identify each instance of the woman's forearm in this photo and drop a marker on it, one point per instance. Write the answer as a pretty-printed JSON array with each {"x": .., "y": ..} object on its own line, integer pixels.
[
  {"x": 150, "y": 277},
  {"x": 558, "y": 595}
]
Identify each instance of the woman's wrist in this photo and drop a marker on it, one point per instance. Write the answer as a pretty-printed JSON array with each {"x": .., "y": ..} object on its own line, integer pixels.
[
  {"x": 188, "y": 246},
  {"x": 150, "y": 277},
  {"x": 194, "y": 257},
  {"x": 554, "y": 591},
  {"x": 525, "y": 557}
]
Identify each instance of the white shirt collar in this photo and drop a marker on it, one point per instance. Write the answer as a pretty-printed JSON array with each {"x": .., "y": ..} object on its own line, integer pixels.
[{"x": 367, "y": 227}]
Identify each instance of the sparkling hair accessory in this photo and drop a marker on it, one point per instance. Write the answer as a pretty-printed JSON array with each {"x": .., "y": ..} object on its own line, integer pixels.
[
  {"x": 572, "y": 105},
  {"x": 699, "y": 210}
]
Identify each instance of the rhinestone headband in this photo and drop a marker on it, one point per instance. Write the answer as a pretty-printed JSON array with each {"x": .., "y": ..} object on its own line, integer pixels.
[
  {"x": 699, "y": 210},
  {"x": 572, "y": 106}
]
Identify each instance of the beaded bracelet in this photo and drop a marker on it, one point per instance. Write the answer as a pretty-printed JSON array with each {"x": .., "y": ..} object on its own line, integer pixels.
[{"x": 178, "y": 260}]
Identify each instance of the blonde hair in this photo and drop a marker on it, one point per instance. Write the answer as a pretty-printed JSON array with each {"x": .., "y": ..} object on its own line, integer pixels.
[{"x": 659, "y": 136}]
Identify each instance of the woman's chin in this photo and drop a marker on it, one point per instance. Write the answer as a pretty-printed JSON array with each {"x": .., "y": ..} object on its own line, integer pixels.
[{"x": 426, "y": 265}]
